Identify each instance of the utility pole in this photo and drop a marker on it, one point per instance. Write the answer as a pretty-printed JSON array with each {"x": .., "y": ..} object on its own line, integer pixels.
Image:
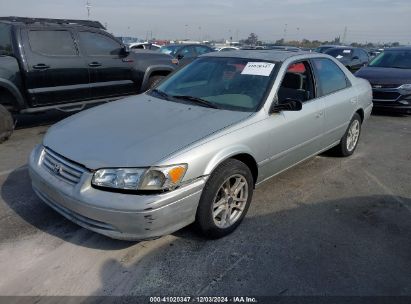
[
  {"x": 344, "y": 36},
  {"x": 88, "y": 7},
  {"x": 285, "y": 32}
]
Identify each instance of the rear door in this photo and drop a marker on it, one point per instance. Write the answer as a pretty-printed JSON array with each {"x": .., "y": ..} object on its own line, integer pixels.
[
  {"x": 337, "y": 96},
  {"x": 56, "y": 73},
  {"x": 110, "y": 70}
]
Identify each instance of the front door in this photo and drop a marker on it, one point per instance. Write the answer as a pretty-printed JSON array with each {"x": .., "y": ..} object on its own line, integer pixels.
[
  {"x": 294, "y": 135},
  {"x": 56, "y": 73},
  {"x": 110, "y": 69}
]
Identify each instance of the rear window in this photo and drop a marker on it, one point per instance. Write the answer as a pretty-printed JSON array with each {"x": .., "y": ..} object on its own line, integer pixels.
[
  {"x": 52, "y": 43},
  {"x": 5, "y": 39},
  {"x": 340, "y": 53}
]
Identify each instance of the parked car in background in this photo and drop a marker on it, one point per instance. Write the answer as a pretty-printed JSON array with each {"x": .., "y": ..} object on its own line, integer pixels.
[
  {"x": 390, "y": 77},
  {"x": 282, "y": 48},
  {"x": 353, "y": 58},
  {"x": 199, "y": 142},
  {"x": 144, "y": 46},
  {"x": 323, "y": 48},
  {"x": 185, "y": 53},
  {"x": 68, "y": 64},
  {"x": 227, "y": 49}
]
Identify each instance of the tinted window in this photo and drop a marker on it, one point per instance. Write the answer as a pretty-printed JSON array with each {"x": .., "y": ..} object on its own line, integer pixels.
[
  {"x": 187, "y": 52},
  {"x": 400, "y": 59},
  {"x": 330, "y": 78},
  {"x": 5, "y": 39},
  {"x": 169, "y": 49},
  {"x": 202, "y": 50},
  {"x": 363, "y": 56},
  {"x": 340, "y": 53},
  {"x": 54, "y": 43},
  {"x": 99, "y": 45},
  {"x": 297, "y": 83}
]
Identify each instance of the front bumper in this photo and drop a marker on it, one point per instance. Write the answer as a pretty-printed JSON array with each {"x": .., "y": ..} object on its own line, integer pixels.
[
  {"x": 392, "y": 99},
  {"x": 117, "y": 215}
]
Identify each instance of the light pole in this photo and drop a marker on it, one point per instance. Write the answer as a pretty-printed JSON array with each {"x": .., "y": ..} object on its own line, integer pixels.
[
  {"x": 186, "y": 36},
  {"x": 88, "y": 7}
]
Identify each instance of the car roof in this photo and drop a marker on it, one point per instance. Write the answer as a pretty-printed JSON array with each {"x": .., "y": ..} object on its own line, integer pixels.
[
  {"x": 400, "y": 48},
  {"x": 185, "y": 44},
  {"x": 270, "y": 55}
]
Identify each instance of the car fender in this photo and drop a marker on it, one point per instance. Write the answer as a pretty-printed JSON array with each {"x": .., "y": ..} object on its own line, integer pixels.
[
  {"x": 225, "y": 154},
  {"x": 18, "y": 100},
  {"x": 150, "y": 70}
]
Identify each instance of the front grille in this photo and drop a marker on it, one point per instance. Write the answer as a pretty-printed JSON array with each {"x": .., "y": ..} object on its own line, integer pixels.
[
  {"x": 380, "y": 95},
  {"x": 385, "y": 86},
  {"x": 61, "y": 167}
]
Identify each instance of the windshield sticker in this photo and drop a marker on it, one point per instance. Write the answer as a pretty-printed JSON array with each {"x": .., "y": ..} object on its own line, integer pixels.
[
  {"x": 339, "y": 57},
  {"x": 347, "y": 51},
  {"x": 258, "y": 68}
]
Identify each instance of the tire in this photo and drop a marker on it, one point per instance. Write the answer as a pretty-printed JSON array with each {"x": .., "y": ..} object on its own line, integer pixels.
[
  {"x": 346, "y": 147},
  {"x": 153, "y": 81},
  {"x": 211, "y": 219},
  {"x": 6, "y": 124}
]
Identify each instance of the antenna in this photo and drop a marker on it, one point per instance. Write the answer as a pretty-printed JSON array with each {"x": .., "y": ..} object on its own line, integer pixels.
[{"x": 88, "y": 7}]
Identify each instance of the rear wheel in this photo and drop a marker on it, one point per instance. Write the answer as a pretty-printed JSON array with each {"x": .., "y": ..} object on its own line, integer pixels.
[
  {"x": 6, "y": 124},
  {"x": 349, "y": 141},
  {"x": 225, "y": 199}
]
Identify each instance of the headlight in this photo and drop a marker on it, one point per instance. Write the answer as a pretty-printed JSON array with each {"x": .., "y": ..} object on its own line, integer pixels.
[
  {"x": 154, "y": 178},
  {"x": 405, "y": 87}
]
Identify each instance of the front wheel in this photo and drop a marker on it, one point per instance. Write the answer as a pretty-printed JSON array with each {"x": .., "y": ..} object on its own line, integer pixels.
[
  {"x": 349, "y": 141},
  {"x": 6, "y": 124},
  {"x": 225, "y": 199},
  {"x": 154, "y": 80}
]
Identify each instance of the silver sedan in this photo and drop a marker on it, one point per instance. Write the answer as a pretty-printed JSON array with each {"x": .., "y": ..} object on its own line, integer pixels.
[{"x": 194, "y": 148}]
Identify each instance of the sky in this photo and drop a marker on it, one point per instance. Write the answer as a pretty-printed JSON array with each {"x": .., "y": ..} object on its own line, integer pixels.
[{"x": 365, "y": 20}]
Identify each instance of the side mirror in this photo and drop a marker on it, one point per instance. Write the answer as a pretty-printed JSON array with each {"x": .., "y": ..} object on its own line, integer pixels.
[
  {"x": 180, "y": 56},
  {"x": 355, "y": 58},
  {"x": 287, "y": 105}
]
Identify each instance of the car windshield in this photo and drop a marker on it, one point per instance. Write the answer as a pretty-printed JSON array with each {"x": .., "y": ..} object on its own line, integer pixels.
[
  {"x": 227, "y": 83},
  {"x": 400, "y": 59},
  {"x": 169, "y": 49},
  {"x": 322, "y": 49},
  {"x": 339, "y": 53}
]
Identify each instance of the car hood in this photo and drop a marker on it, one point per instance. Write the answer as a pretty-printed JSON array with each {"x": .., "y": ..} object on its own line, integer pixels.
[
  {"x": 135, "y": 132},
  {"x": 377, "y": 75}
]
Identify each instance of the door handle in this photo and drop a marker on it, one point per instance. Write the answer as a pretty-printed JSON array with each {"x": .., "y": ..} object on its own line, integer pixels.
[
  {"x": 41, "y": 66},
  {"x": 94, "y": 64}
]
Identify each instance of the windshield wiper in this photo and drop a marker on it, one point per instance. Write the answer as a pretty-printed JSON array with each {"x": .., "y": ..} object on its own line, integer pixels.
[
  {"x": 203, "y": 102},
  {"x": 161, "y": 93}
]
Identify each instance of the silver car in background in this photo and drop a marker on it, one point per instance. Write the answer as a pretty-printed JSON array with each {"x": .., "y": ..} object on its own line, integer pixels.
[{"x": 194, "y": 148}]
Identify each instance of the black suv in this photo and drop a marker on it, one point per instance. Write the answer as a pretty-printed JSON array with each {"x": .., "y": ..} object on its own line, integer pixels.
[{"x": 67, "y": 64}]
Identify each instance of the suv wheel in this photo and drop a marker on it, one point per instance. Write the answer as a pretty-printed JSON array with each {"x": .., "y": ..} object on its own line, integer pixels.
[
  {"x": 6, "y": 124},
  {"x": 225, "y": 199},
  {"x": 349, "y": 141},
  {"x": 154, "y": 80}
]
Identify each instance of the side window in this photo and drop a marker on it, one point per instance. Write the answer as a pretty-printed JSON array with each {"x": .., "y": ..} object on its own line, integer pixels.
[
  {"x": 187, "y": 52},
  {"x": 330, "y": 77},
  {"x": 5, "y": 39},
  {"x": 202, "y": 50},
  {"x": 364, "y": 56},
  {"x": 297, "y": 83},
  {"x": 52, "y": 42},
  {"x": 99, "y": 45}
]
